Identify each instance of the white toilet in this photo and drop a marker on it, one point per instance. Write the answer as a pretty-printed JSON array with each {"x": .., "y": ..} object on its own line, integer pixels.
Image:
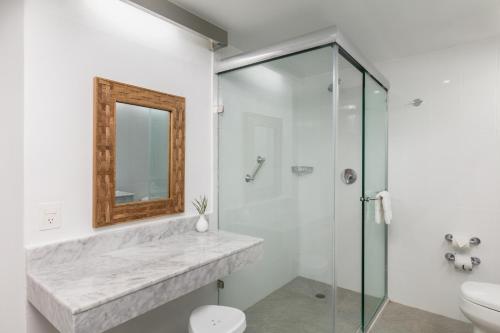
[
  {"x": 480, "y": 303},
  {"x": 217, "y": 319}
]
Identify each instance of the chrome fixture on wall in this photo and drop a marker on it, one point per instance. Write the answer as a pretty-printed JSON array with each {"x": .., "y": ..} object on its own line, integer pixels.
[
  {"x": 461, "y": 244},
  {"x": 416, "y": 102},
  {"x": 349, "y": 176},
  {"x": 260, "y": 161},
  {"x": 473, "y": 240},
  {"x": 330, "y": 86},
  {"x": 451, "y": 257},
  {"x": 368, "y": 199},
  {"x": 301, "y": 170}
]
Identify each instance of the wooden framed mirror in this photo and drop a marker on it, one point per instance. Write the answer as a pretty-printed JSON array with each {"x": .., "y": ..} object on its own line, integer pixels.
[{"x": 139, "y": 149}]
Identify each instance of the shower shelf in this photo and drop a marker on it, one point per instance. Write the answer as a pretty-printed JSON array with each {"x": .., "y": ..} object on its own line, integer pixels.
[{"x": 301, "y": 170}]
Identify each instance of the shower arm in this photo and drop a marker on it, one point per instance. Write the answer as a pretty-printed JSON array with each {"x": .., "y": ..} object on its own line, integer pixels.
[{"x": 260, "y": 161}]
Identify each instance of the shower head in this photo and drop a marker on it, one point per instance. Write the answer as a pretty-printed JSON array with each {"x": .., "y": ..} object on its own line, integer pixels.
[
  {"x": 330, "y": 86},
  {"x": 416, "y": 102}
]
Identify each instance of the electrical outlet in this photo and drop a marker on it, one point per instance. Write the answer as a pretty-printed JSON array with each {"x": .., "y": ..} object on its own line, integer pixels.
[{"x": 50, "y": 215}]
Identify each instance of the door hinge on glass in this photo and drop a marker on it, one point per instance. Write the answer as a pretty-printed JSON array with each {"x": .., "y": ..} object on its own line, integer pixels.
[
  {"x": 219, "y": 108},
  {"x": 220, "y": 284}
]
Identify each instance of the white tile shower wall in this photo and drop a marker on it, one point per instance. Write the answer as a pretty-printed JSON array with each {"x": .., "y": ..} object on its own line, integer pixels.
[
  {"x": 347, "y": 205},
  {"x": 67, "y": 43},
  {"x": 444, "y": 158},
  {"x": 257, "y": 120},
  {"x": 312, "y": 143},
  {"x": 12, "y": 282}
]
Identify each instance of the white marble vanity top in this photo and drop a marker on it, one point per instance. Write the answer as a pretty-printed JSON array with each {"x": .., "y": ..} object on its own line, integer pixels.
[{"x": 100, "y": 291}]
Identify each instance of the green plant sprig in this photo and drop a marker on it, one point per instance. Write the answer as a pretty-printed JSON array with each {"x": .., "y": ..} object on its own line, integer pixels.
[{"x": 201, "y": 204}]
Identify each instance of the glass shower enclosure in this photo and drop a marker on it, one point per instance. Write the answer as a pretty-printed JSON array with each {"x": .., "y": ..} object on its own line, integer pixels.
[{"x": 301, "y": 150}]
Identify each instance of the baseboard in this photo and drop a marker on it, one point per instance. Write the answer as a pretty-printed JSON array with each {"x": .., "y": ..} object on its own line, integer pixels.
[{"x": 376, "y": 317}]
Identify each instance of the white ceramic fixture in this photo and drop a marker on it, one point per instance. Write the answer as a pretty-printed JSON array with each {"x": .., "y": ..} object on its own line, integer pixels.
[
  {"x": 217, "y": 319},
  {"x": 480, "y": 303},
  {"x": 202, "y": 224}
]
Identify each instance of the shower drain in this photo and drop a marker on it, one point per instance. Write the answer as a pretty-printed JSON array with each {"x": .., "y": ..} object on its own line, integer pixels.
[{"x": 320, "y": 296}]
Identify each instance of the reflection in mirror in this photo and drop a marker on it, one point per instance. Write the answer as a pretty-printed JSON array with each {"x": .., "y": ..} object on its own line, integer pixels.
[{"x": 142, "y": 153}]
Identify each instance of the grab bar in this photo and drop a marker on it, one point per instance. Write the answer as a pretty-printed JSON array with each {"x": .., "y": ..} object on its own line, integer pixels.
[{"x": 260, "y": 161}]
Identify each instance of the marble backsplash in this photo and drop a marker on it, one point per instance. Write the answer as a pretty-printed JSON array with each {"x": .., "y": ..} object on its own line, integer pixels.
[{"x": 105, "y": 241}]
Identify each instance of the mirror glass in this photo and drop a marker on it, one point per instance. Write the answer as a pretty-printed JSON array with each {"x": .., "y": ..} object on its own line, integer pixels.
[{"x": 142, "y": 153}]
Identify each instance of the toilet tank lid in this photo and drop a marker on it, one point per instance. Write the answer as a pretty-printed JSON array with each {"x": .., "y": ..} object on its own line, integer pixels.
[{"x": 481, "y": 293}]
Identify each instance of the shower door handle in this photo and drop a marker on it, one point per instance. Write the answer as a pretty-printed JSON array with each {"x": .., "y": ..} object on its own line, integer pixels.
[{"x": 260, "y": 161}]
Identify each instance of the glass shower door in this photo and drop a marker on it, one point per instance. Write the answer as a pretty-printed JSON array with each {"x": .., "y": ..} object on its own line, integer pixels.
[
  {"x": 348, "y": 215},
  {"x": 276, "y": 182},
  {"x": 374, "y": 181}
]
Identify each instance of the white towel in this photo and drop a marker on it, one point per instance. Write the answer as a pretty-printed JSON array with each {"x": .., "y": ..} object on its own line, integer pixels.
[
  {"x": 379, "y": 214},
  {"x": 383, "y": 208}
]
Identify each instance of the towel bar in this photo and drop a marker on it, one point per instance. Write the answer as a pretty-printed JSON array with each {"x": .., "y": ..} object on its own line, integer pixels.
[{"x": 368, "y": 199}]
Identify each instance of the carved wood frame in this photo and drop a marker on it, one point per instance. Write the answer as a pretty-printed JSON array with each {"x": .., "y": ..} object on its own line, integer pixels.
[{"x": 105, "y": 210}]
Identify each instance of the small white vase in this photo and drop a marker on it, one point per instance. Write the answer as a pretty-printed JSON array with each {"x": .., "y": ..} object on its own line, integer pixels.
[{"x": 202, "y": 224}]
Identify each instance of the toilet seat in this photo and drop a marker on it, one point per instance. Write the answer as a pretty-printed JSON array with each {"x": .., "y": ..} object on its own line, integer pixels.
[
  {"x": 480, "y": 303},
  {"x": 483, "y": 294},
  {"x": 217, "y": 319},
  {"x": 483, "y": 319}
]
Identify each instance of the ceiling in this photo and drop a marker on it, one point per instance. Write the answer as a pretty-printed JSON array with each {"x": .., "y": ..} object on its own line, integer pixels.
[{"x": 381, "y": 29}]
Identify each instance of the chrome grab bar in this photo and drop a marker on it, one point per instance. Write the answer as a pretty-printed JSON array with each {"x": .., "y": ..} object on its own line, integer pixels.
[{"x": 260, "y": 161}]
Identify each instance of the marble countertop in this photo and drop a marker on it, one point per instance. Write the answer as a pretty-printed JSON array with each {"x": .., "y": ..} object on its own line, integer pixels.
[{"x": 93, "y": 281}]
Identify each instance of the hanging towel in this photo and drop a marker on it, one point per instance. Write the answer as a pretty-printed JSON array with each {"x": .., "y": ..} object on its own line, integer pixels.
[{"x": 383, "y": 209}]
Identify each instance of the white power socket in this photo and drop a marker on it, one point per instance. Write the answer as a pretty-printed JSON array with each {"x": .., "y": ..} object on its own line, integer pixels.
[{"x": 50, "y": 215}]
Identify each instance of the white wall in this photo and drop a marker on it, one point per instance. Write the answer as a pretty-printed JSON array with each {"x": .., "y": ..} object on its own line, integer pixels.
[
  {"x": 314, "y": 192},
  {"x": 444, "y": 162},
  {"x": 67, "y": 43},
  {"x": 349, "y": 154},
  {"x": 12, "y": 282},
  {"x": 258, "y": 120}
]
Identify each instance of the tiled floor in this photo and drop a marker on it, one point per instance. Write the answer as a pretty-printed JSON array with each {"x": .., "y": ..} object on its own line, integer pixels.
[
  {"x": 397, "y": 318},
  {"x": 294, "y": 308}
]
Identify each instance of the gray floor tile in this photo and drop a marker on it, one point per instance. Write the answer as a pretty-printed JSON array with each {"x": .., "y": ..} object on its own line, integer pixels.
[
  {"x": 397, "y": 318},
  {"x": 294, "y": 308}
]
